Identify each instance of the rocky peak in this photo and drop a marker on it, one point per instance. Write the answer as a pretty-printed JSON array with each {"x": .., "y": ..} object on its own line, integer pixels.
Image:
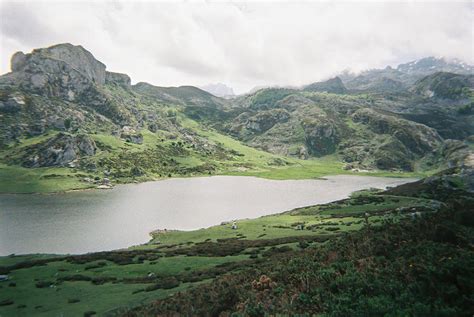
[
  {"x": 219, "y": 90},
  {"x": 74, "y": 56},
  {"x": 333, "y": 85},
  {"x": 445, "y": 85},
  {"x": 117, "y": 78},
  {"x": 430, "y": 65},
  {"x": 64, "y": 70}
]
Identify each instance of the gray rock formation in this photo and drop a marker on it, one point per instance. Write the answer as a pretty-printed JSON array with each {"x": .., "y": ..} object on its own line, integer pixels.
[
  {"x": 12, "y": 104},
  {"x": 321, "y": 136},
  {"x": 63, "y": 70},
  {"x": 117, "y": 78},
  {"x": 333, "y": 85},
  {"x": 77, "y": 58},
  {"x": 59, "y": 151},
  {"x": 130, "y": 135},
  {"x": 265, "y": 120},
  {"x": 18, "y": 61},
  {"x": 454, "y": 153},
  {"x": 416, "y": 137}
]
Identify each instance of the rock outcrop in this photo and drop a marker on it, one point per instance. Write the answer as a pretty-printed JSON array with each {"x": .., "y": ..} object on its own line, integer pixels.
[
  {"x": 418, "y": 138},
  {"x": 333, "y": 85},
  {"x": 60, "y": 150},
  {"x": 445, "y": 86},
  {"x": 117, "y": 78},
  {"x": 265, "y": 120},
  {"x": 130, "y": 135},
  {"x": 63, "y": 70},
  {"x": 321, "y": 135},
  {"x": 455, "y": 153},
  {"x": 12, "y": 103}
]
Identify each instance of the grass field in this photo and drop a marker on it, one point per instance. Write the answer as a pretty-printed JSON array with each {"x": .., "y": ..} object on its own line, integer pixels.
[{"x": 17, "y": 179}]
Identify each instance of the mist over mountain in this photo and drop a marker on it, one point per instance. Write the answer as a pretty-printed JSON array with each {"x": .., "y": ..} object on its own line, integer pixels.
[{"x": 219, "y": 90}]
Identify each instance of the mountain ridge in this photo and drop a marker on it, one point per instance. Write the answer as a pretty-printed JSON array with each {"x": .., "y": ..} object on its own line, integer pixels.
[{"x": 60, "y": 107}]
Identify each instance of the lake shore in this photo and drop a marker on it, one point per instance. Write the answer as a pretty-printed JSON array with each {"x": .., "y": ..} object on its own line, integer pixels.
[
  {"x": 20, "y": 180},
  {"x": 174, "y": 261},
  {"x": 82, "y": 218}
]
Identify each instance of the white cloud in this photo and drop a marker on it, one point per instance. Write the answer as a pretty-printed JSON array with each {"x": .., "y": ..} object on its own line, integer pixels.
[{"x": 241, "y": 44}]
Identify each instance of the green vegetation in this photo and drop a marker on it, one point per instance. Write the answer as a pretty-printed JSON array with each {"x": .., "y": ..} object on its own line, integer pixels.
[
  {"x": 198, "y": 262},
  {"x": 422, "y": 265},
  {"x": 102, "y": 132},
  {"x": 159, "y": 157},
  {"x": 62, "y": 287},
  {"x": 16, "y": 179},
  {"x": 403, "y": 252}
]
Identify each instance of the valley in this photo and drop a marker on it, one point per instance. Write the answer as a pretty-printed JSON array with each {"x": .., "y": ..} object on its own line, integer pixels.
[{"x": 69, "y": 127}]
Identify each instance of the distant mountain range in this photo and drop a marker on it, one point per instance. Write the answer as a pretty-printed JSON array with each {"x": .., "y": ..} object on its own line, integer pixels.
[
  {"x": 386, "y": 79},
  {"x": 404, "y": 75},
  {"x": 219, "y": 90}
]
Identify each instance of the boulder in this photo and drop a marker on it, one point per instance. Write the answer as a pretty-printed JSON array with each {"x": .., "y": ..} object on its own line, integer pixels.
[
  {"x": 18, "y": 61},
  {"x": 130, "y": 135}
]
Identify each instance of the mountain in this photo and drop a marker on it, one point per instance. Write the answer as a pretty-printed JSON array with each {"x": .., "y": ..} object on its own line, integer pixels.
[
  {"x": 61, "y": 107},
  {"x": 443, "y": 85},
  {"x": 333, "y": 85},
  {"x": 404, "y": 75},
  {"x": 386, "y": 125},
  {"x": 430, "y": 65},
  {"x": 219, "y": 90}
]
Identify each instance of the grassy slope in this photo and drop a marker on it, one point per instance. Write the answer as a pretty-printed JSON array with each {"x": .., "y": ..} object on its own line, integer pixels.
[
  {"x": 249, "y": 162},
  {"x": 53, "y": 301},
  {"x": 16, "y": 179},
  {"x": 102, "y": 298}
]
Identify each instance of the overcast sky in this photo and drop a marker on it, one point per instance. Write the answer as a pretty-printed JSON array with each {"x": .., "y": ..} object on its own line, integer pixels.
[{"x": 240, "y": 44}]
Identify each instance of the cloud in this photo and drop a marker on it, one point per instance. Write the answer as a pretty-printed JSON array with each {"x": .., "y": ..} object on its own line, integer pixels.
[{"x": 241, "y": 44}]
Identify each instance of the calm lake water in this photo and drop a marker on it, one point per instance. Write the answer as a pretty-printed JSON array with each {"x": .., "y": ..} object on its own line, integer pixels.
[{"x": 86, "y": 221}]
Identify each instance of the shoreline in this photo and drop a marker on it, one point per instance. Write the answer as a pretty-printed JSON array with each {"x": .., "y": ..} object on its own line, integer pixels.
[
  {"x": 154, "y": 233},
  {"x": 378, "y": 173}
]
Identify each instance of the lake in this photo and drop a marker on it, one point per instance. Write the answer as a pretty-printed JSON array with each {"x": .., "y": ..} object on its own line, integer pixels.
[{"x": 96, "y": 220}]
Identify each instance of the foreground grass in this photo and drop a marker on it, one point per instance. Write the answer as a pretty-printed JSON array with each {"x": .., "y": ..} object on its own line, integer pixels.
[{"x": 74, "y": 298}]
